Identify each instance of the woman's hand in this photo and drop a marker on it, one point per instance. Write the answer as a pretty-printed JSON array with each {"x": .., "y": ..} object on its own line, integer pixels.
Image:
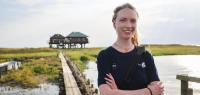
[
  {"x": 110, "y": 81},
  {"x": 156, "y": 87}
]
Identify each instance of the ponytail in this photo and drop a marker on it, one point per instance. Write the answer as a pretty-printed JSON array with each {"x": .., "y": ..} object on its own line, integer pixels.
[{"x": 134, "y": 39}]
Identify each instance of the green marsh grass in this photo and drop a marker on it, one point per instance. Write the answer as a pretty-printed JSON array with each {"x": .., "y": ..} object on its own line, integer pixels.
[
  {"x": 38, "y": 66},
  {"x": 159, "y": 50}
]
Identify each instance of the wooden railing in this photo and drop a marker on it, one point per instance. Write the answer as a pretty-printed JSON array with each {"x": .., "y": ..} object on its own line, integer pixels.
[{"x": 185, "y": 79}]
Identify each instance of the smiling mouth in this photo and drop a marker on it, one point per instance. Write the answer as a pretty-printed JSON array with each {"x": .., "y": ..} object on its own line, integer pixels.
[{"x": 128, "y": 30}]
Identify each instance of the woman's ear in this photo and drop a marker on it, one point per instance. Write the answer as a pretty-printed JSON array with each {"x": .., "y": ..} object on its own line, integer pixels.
[{"x": 114, "y": 24}]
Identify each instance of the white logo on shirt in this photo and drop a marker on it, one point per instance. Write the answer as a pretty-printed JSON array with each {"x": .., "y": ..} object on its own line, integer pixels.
[{"x": 143, "y": 65}]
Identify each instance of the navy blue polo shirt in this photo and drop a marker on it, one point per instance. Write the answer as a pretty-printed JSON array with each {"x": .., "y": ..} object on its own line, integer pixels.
[{"x": 112, "y": 61}]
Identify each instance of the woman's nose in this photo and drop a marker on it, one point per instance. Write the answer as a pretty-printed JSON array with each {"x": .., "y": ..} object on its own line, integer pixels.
[{"x": 129, "y": 24}]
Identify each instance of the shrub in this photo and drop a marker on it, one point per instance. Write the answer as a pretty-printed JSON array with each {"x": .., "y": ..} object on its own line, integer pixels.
[
  {"x": 84, "y": 58},
  {"x": 39, "y": 69}
]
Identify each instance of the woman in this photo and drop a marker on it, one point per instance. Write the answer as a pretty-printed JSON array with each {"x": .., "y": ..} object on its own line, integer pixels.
[{"x": 124, "y": 68}]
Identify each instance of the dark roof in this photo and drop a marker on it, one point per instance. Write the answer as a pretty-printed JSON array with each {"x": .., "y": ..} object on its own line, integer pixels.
[
  {"x": 57, "y": 36},
  {"x": 77, "y": 34}
]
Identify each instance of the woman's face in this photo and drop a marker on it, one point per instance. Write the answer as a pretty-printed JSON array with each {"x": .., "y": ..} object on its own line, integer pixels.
[{"x": 125, "y": 23}]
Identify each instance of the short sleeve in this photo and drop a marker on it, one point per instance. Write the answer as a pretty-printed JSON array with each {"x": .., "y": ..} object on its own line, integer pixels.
[
  {"x": 103, "y": 66},
  {"x": 152, "y": 73}
]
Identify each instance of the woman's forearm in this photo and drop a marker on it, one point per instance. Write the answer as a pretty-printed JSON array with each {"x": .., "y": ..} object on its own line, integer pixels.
[
  {"x": 106, "y": 90},
  {"x": 143, "y": 91}
]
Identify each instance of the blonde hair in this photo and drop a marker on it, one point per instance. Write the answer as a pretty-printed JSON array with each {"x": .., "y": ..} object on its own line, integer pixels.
[{"x": 134, "y": 38}]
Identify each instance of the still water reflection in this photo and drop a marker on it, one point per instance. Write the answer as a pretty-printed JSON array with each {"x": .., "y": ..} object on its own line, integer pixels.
[{"x": 43, "y": 89}]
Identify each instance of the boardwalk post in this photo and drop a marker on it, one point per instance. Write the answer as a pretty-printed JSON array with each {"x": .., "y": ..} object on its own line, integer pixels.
[
  {"x": 184, "y": 87},
  {"x": 185, "y": 79},
  {"x": 190, "y": 91}
]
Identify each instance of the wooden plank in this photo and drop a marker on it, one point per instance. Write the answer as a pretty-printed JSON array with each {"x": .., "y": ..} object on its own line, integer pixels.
[
  {"x": 185, "y": 77},
  {"x": 71, "y": 86}
]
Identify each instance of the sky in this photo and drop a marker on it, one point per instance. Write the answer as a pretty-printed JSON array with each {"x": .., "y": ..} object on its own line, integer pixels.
[{"x": 30, "y": 23}]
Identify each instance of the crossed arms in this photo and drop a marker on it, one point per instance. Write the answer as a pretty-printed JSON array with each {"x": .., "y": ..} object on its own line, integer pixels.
[{"x": 110, "y": 88}]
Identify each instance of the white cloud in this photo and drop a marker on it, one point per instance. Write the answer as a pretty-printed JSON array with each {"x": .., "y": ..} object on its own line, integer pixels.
[{"x": 29, "y": 2}]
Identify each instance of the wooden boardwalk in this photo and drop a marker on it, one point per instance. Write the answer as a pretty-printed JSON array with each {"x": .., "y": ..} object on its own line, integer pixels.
[{"x": 71, "y": 86}]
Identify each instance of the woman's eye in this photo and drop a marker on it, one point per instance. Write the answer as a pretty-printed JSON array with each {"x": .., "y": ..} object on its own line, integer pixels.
[
  {"x": 122, "y": 20},
  {"x": 133, "y": 21}
]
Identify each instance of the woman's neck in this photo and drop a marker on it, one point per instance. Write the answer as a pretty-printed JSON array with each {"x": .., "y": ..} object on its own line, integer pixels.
[{"x": 123, "y": 45}]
